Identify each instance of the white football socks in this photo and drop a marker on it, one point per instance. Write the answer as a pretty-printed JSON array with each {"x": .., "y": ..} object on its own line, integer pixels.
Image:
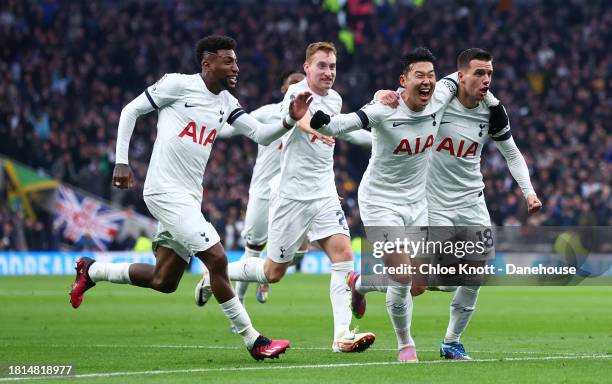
[
  {"x": 363, "y": 289},
  {"x": 113, "y": 272},
  {"x": 239, "y": 318},
  {"x": 461, "y": 310},
  {"x": 242, "y": 286},
  {"x": 340, "y": 296},
  {"x": 399, "y": 308},
  {"x": 249, "y": 269}
]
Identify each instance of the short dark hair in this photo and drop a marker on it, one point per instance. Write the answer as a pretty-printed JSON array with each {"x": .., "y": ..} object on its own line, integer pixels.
[
  {"x": 286, "y": 75},
  {"x": 212, "y": 44},
  {"x": 415, "y": 56},
  {"x": 464, "y": 58}
]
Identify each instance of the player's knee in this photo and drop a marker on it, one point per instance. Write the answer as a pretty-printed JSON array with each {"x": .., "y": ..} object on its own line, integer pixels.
[
  {"x": 164, "y": 285},
  {"x": 343, "y": 254},
  {"x": 168, "y": 287},
  {"x": 417, "y": 290},
  {"x": 216, "y": 262},
  {"x": 275, "y": 274}
]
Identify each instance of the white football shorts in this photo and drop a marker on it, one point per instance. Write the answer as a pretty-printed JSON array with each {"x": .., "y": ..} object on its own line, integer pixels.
[
  {"x": 390, "y": 222},
  {"x": 471, "y": 223},
  {"x": 291, "y": 221},
  {"x": 181, "y": 224}
]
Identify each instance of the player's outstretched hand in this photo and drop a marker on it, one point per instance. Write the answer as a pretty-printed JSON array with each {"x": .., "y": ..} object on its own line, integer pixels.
[
  {"x": 304, "y": 125},
  {"x": 533, "y": 204},
  {"x": 319, "y": 119},
  {"x": 329, "y": 140},
  {"x": 123, "y": 178},
  {"x": 498, "y": 119},
  {"x": 299, "y": 105},
  {"x": 387, "y": 97}
]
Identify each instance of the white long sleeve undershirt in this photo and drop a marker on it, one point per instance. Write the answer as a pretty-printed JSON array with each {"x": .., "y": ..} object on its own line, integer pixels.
[
  {"x": 129, "y": 114},
  {"x": 360, "y": 137},
  {"x": 342, "y": 124},
  {"x": 516, "y": 165},
  {"x": 260, "y": 133}
]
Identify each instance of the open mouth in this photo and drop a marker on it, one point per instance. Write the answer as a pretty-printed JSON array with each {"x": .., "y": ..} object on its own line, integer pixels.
[
  {"x": 232, "y": 80},
  {"x": 483, "y": 91},
  {"x": 424, "y": 93}
]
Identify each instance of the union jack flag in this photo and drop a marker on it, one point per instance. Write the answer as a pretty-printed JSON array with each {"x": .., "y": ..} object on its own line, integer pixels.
[{"x": 86, "y": 221}]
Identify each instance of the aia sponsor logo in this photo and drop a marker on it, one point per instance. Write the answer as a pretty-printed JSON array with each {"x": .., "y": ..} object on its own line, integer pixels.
[
  {"x": 202, "y": 137},
  {"x": 462, "y": 149},
  {"x": 419, "y": 145}
]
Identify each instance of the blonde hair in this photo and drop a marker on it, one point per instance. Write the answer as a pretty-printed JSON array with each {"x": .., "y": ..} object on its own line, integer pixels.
[{"x": 319, "y": 46}]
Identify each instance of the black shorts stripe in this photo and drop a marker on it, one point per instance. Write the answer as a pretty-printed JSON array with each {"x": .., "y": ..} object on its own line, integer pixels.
[
  {"x": 150, "y": 99},
  {"x": 503, "y": 137},
  {"x": 234, "y": 115},
  {"x": 365, "y": 122}
]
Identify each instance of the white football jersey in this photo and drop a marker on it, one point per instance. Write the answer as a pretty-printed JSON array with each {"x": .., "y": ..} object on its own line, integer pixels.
[
  {"x": 401, "y": 142},
  {"x": 454, "y": 178},
  {"x": 307, "y": 164},
  {"x": 267, "y": 164},
  {"x": 190, "y": 117}
]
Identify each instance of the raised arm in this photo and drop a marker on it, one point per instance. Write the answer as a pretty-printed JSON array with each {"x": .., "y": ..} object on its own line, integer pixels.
[
  {"x": 339, "y": 124},
  {"x": 304, "y": 125},
  {"x": 265, "y": 134},
  {"x": 369, "y": 115},
  {"x": 261, "y": 114},
  {"x": 361, "y": 137}
]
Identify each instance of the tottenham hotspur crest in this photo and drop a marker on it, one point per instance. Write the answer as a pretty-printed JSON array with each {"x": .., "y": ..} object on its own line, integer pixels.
[{"x": 482, "y": 126}]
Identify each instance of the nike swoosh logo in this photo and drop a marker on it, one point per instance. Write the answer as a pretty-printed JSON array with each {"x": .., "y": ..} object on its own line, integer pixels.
[
  {"x": 187, "y": 105},
  {"x": 397, "y": 124}
]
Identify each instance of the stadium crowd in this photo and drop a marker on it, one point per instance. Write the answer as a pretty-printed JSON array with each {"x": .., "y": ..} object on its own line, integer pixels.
[{"x": 67, "y": 69}]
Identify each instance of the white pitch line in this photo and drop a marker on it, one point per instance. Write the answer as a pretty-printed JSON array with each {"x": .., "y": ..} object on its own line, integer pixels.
[
  {"x": 193, "y": 346},
  {"x": 309, "y": 366}
]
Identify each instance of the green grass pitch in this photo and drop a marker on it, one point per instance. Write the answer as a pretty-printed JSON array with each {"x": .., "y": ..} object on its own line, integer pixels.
[{"x": 124, "y": 334}]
